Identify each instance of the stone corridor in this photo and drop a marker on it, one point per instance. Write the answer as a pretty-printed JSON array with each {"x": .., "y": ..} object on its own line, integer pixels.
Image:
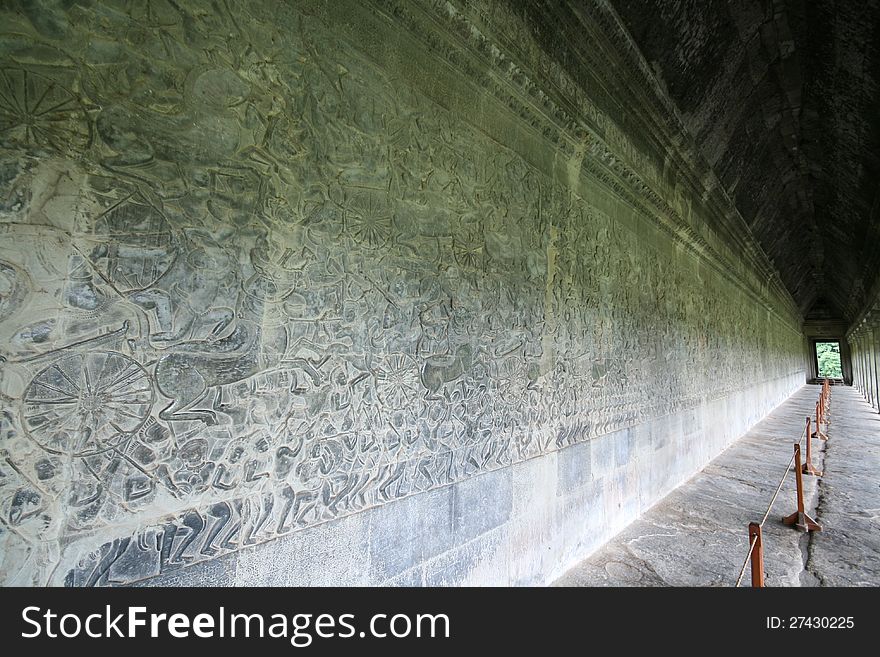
[
  {"x": 433, "y": 292},
  {"x": 697, "y": 536}
]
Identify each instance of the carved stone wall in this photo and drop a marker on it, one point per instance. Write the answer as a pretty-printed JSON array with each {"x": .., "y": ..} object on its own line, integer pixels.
[{"x": 262, "y": 271}]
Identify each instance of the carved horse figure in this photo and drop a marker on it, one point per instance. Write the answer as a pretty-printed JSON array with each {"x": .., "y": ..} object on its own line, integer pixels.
[
  {"x": 192, "y": 368},
  {"x": 439, "y": 370}
]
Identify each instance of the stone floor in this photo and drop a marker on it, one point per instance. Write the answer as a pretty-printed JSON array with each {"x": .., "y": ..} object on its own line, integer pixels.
[{"x": 698, "y": 536}]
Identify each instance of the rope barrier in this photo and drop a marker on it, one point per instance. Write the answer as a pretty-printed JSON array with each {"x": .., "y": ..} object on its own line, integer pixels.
[
  {"x": 742, "y": 570},
  {"x": 767, "y": 513},
  {"x": 799, "y": 518},
  {"x": 778, "y": 488}
]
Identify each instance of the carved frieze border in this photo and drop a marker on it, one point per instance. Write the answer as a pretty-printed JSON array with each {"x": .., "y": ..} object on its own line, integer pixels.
[{"x": 453, "y": 37}]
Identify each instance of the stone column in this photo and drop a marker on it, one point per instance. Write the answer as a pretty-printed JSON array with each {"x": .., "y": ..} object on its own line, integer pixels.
[
  {"x": 857, "y": 361},
  {"x": 875, "y": 348},
  {"x": 869, "y": 365}
]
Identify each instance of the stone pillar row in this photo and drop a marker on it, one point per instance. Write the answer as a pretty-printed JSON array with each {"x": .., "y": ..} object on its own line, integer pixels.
[{"x": 864, "y": 342}]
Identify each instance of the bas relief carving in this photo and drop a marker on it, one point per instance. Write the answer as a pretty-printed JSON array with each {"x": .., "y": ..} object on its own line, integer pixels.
[{"x": 250, "y": 283}]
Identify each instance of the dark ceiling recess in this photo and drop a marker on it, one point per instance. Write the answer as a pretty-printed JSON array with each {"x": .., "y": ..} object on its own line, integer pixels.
[{"x": 781, "y": 97}]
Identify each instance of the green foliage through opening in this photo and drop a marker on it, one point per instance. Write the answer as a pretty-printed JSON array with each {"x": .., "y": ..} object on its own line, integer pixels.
[{"x": 828, "y": 357}]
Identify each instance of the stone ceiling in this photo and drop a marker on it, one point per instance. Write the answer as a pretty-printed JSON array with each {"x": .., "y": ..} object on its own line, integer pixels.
[{"x": 781, "y": 97}]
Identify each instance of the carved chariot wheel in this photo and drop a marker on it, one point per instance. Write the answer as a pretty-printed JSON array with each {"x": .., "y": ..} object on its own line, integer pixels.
[
  {"x": 86, "y": 403},
  {"x": 38, "y": 111}
]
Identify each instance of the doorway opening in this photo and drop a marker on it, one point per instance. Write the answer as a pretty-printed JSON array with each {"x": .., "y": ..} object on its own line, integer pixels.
[{"x": 828, "y": 359}]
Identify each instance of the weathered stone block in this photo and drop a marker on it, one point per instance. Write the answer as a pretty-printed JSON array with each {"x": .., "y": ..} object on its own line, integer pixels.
[
  {"x": 574, "y": 467},
  {"x": 302, "y": 558},
  {"x": 410, "y": 531},
  {"x": 602, "y": 455},
  {"x": 534, "y": 484},
  {"x": 481, "y": 503},
  {"x": 483, "y": 560}
]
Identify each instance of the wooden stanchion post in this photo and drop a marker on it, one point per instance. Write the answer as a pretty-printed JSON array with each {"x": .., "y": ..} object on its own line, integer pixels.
[
  {"x": 826, "y": 402},
  {"x": 799, "y": 518},
  {"x": 757, "y": 555},
  {"x": 809, "y": 468},
  {"x": 819, "y": 433}
]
